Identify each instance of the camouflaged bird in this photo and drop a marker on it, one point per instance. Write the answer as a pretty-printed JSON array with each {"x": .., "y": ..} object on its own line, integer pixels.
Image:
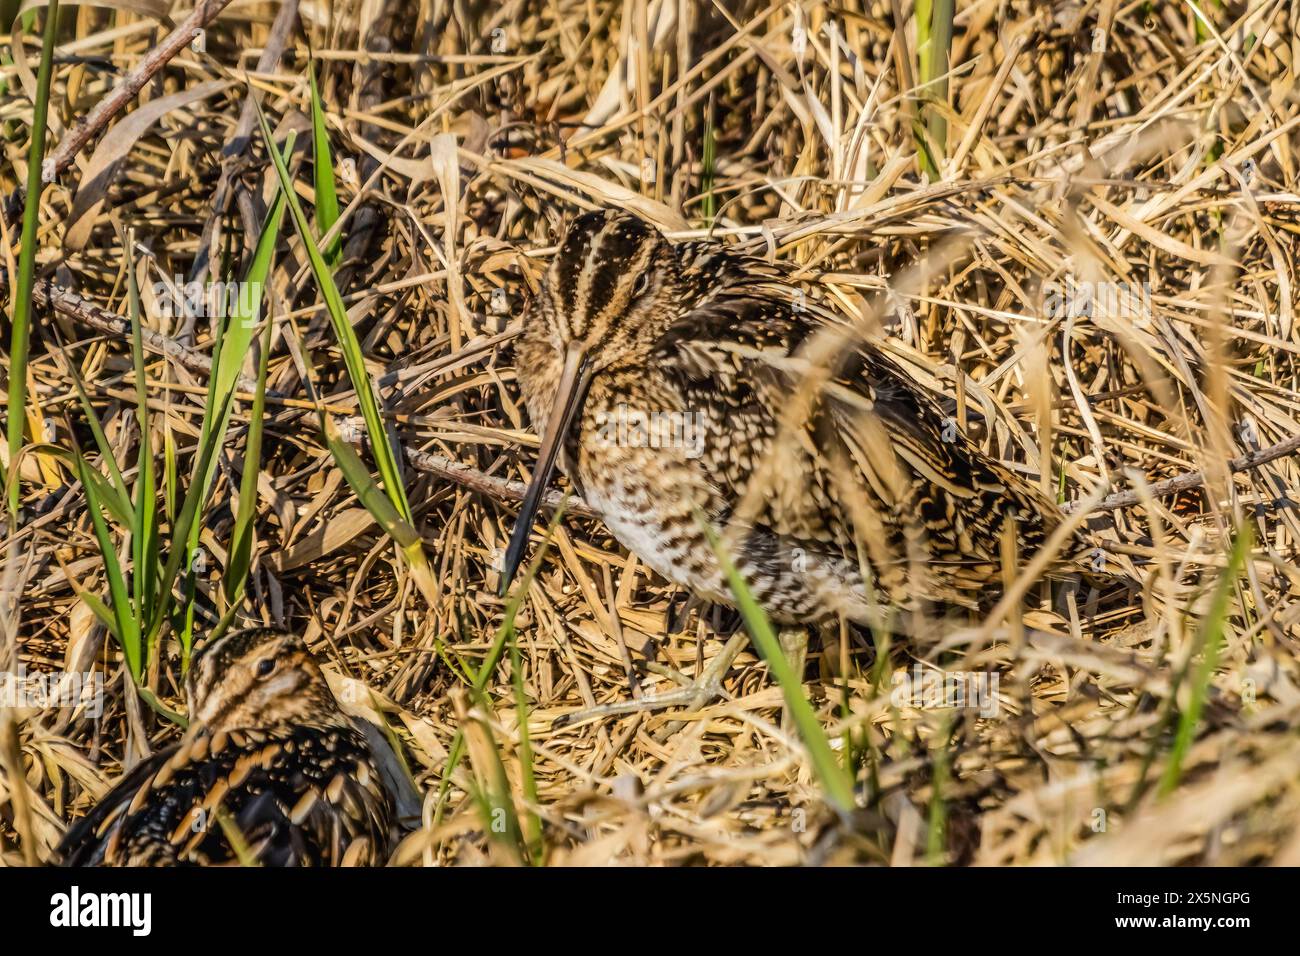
[
  {"x": 822, "y": 462},
  {"x": 269, "y": 763}
]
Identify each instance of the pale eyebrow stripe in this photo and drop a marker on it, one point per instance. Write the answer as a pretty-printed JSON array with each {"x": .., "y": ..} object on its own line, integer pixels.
[{"x": 644, "y": 254}]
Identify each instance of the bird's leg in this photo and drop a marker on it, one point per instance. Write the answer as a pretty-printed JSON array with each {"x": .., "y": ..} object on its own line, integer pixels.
[
  {"x": 726, "y": 620},
  {"x": 692, "y": 697},
  {"x": 679, "y": 611},
  {"x": 709, "y": 684},
  {"x": 794, "y": 645}
]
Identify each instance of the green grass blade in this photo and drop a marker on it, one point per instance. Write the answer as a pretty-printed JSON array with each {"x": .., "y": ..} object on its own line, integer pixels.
[
  {"x": 350, "y": 346},
  {"x": 1200, "y": 18},
  {"x": 235, "y": 334},
  {"x": 21, "y": 317},
  {"x": 504, "y": 635},
  {"x": 118, "y": 506},
  {"x": 245, "y": 316},
  {"x": 327, "y": 196},
  {"x": 709, "y": 163},
  {"x": 941, "y": 38},
  {"x": 384, "y": 512},
  {"x": 835, "y": 782},
  {"x": 150, "y": 698},
  {"x": 234, "y": 338},
  {"x": 368, "y": 492},
  {"x": 144, "y": 524},
  {"x": 936, "y": 841},
  {"x": 933, "y": 45},
  {"x": 241, "y": 538},
  {"x": 532, "y": 830},
  {"x": 211, "y": 435},
  {"x": 128, "y": 626},
  {"x": 169, "y": 473},
  {"x": 116, "y": 496},
  {"x": 246, "y": 308},
  {"x": 235, "y": 837},
  {"x": 101, "y": 611},
  {"x": 492, "y": 791},
  {"x": 190, "y": 508},
  {"x": 101, "y": 440},
  {"x": 1210, "y": 644},
  {"x": 371, "y": 496}
]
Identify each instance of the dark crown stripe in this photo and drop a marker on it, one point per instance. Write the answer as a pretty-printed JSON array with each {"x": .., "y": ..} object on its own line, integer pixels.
[{"x": 571, "y": 264}]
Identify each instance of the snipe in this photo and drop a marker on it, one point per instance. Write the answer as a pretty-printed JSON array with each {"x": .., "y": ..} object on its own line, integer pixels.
[
  {"x": 677, "y": 384},
  {"x": 268, "y": 760}
]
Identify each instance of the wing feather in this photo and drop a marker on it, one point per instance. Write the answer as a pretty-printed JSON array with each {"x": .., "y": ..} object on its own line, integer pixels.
[{"x": 748, "y": 346}]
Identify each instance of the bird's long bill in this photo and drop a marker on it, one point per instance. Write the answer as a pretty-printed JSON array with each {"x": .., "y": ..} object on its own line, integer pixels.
[{"x": 574, "y": 380}]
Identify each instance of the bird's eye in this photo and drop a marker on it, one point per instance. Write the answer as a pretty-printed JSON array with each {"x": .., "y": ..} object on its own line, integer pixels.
[
  {"x": 265, "y": 667},
  {"x": 641, "y": 283}
]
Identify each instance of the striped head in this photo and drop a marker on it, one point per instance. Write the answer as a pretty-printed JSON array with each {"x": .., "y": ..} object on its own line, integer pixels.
[
  {"x": 612, "y": 289},
  {"x": 258, "y": 678}
]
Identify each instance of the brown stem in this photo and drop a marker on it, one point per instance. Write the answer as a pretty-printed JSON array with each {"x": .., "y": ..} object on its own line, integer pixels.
[
  {"x": 122, "y": 94},
  {"x": 505, "y": 490},
  {"x": 502, "y": 489},
  {"x": 1194, "y": 479},
  {"x": 67, "y": 303}
]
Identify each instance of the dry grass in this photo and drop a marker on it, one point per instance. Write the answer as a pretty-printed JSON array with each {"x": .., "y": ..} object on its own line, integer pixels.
[{"x": 1100, "y": 142}]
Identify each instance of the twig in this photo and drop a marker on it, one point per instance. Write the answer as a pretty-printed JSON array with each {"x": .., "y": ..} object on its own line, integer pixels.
[
  {"x": 68, "y": 303},
  {"x": 126, "y": 91},
  {"x": 505, "y": 490},
  {"x": 502, "y": 489},
  {"x": 122, "y": 94},
  {"x": 1194, "y": 479}
]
